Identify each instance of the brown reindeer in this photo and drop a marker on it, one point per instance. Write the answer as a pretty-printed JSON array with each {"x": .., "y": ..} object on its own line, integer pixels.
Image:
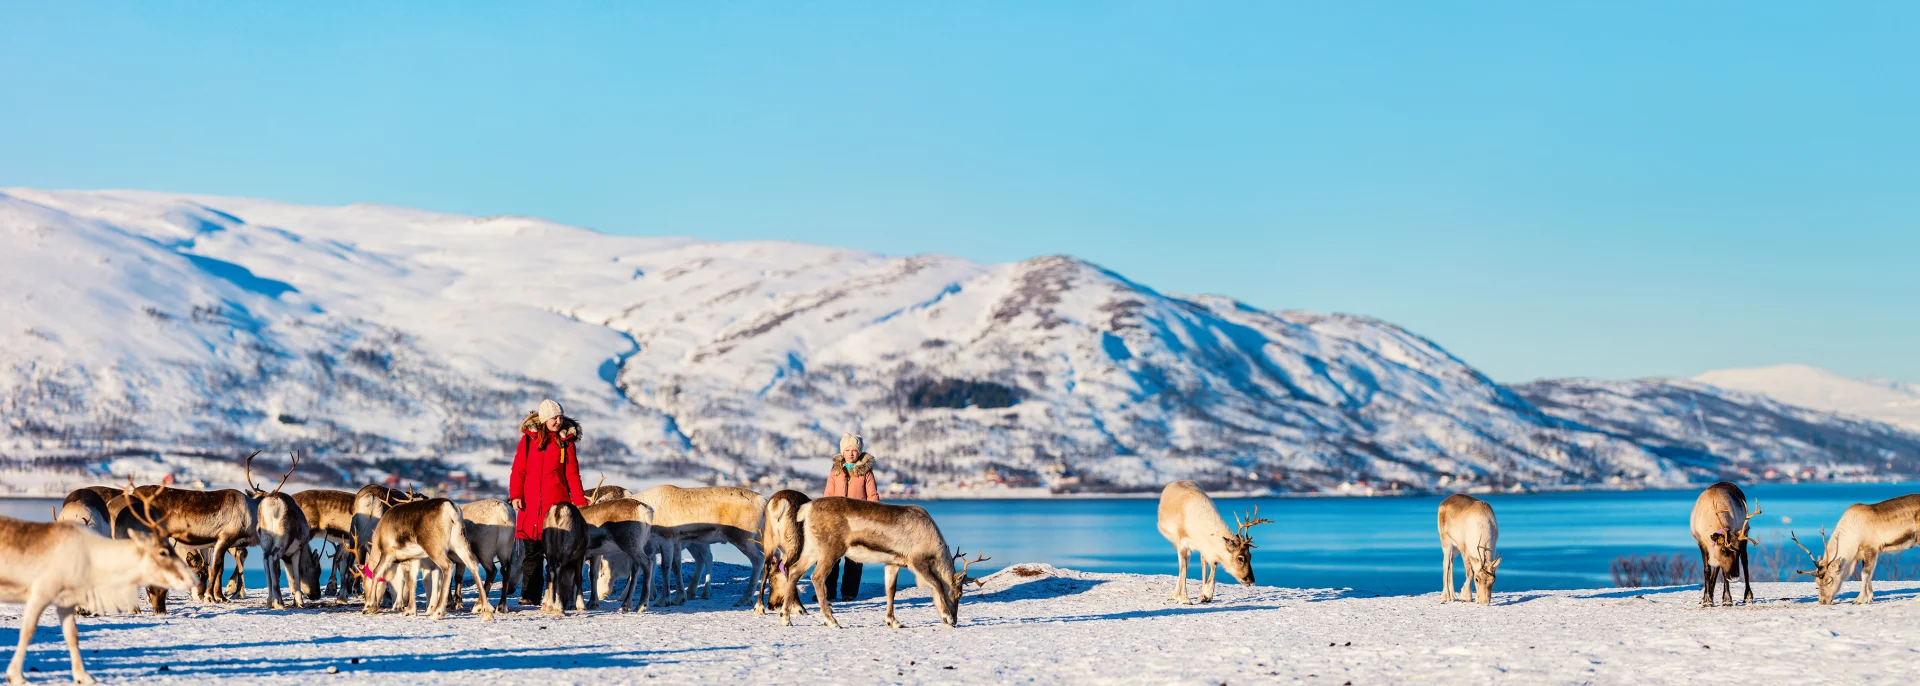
[
  {"x": 370, "y": 503},
  {"x": 780, "y": 544},
  {"x": 709, "y": 515},
  {"x": 619, "y": 529},
  {"x": 898, "y": 536},
  {"x": 65, "y": 565},
  {"x": 329, "y": 515},
  {"x": 1720, "y": 523},
  {"x": 1864, "y": 533},
  {"x": 216, "y": 521},
  {"x": 411, "y": 532}
]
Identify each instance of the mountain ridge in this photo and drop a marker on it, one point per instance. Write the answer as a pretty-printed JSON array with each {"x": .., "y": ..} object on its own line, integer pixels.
[{"x": 163, "y": 331}]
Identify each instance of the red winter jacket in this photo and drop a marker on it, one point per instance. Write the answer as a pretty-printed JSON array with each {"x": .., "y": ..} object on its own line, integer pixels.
[{"x": 544, "y": 477}]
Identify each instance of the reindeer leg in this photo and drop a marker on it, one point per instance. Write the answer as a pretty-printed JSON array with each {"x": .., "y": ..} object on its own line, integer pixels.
[
  {"x": 29, "y": 622},
  {"x": 1207, "y": 570},
  {"x": 239, "y": 580},
  {"x": 270, "y": 565},
  {"x": 70, "y": 628},
  {"x": 1866, "y": 579},
  {"x": 1746, "y": 573},
  {"x": 820, "y": 583},
  {"x": 216, "y": 570},
  {"x": 893, "y": 581},
  {"x": 158, "y": 597},
  {"x": 756, "y": 557},
  {"x": 1180, "y": 587},
  {"x": 1446, "y": 573},
  {"x": 1466, "y": 584}
]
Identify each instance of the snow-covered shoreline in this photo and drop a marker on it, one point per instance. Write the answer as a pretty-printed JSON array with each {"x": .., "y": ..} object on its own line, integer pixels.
[{"x": 1055, "y": 626}]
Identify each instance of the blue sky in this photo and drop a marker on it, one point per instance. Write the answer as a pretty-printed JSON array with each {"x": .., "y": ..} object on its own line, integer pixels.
[{"x": 1547, "y": 189}]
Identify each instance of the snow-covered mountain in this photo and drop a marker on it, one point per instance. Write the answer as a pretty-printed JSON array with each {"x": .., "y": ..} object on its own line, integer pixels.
[
  {"x": 1893, "y": 402},
  {"x": 186, "y": 330}
]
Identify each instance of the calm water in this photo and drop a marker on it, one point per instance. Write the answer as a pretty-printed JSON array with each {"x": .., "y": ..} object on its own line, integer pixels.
[{"x": 1389, "y": 545}]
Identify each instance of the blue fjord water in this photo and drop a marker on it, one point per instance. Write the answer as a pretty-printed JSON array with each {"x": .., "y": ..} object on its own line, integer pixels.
[{"x": 1385, "y": 545}]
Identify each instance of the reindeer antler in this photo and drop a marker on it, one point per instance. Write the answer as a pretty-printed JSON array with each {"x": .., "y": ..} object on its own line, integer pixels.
[
  {"x": 978, "y": 557},
  {"x": 146, "y": 504},
  {"x": 1253, "y": 519},
  {"x": 249, "y": 466},
  {"x": 290, "y": 468},
  {"x": 1803, "y": 546},
  {"x": 596, "y": 487}
]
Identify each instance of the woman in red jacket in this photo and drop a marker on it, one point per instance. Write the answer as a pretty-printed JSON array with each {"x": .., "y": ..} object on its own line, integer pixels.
[
  {"x": 852, "y": 477},
  {"x": 546, "y": 472}
]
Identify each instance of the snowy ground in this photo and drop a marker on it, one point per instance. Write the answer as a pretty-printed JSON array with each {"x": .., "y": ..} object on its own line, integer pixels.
[{"x": 1058, "y": 626}]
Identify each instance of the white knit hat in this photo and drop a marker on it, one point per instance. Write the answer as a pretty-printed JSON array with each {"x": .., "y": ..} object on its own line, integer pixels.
[
  {"x": 549, "y": 409},
  {"x": 848, "y": 440}
]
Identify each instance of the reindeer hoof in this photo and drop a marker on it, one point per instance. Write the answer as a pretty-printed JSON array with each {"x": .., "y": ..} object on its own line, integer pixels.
[{"x": 893, "y": 623}]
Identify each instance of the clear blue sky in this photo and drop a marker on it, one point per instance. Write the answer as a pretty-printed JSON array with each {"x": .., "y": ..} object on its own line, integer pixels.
[{"x": 1547, "y": 189}]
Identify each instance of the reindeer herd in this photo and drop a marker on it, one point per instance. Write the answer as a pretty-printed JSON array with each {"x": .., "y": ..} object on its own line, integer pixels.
[{"x": 108, "y": 546}]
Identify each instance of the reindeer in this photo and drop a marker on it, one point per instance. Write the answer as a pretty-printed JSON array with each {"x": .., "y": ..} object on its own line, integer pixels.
[
  {"x": 213, "y": 521},
  {"x": 619, "y": 527},
  {"x": 564, "y": 534},
  {"x": 68, "y": 566},
  {"x": 1189, "y": 520},
  {"x": 370, "y": 503},
  {"x": 85, "y": 507},
  {"x": 1467, "y": 527},
  {"x": 489, "y": 529},
  {"x": 283, "y": 534},
  {"x": 1720, "y": 524},
  {"x": 1864, "y": 533},
  {"x": 876, "y": 533},
  {"x": 329, "y": 515},
  {"x": 714, "y": 514},
  {"x": 601, "y": 492},
  {"x": 408, "y": 533},
  {"x": 780, "y": 544}
]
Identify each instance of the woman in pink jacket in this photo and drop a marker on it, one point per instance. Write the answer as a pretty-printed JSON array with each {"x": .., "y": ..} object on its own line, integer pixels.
[
  {"x": 546, "y": 472},
  {"x": 852, "y": 477}
]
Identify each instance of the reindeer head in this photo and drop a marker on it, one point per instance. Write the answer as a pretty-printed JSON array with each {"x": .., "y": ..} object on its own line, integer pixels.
[
  {"x": 951, "y": 613},
  {"x": 1827, "y": 572},
  {"x": 1483, "y": 576},
  {"x": 1239, "y": 560},
  {"x": 158, "y": 565},
  {"x": 1728, "y": 542},
  {"x": 254, "y": 491}
]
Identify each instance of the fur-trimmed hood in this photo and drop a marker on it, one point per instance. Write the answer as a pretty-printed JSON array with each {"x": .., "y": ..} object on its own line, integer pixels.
[
  {"x": 569, "y": 429},
  {"x": 862, "y": 465}
]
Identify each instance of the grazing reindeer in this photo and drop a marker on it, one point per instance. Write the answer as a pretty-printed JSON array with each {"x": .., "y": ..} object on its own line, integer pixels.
[
  {"x": 1189, "y": 520},
  {"x": 215, "y": 521},
  {"x": 283, "y": 534},
  {"x": 489, "y": 525},
  {"x": 370, "y": 503},
  {"x": 564, "y": 534},
  {"x": 329, "y": 515},
  {"x": 1864, "y": 533},
  {"x": 66, "y": 565},
  {"x": 1720, "y": 523},
  {"x": 85, "y": 507},
  {"x": 408, "y": 533},
  {"x": 875, "y": 533},
  {"x": 1467, "y": 527},
  {"x": 780, "y": 545},
  {"x": 619, "y": 528},
  {"x": 714, "y": 514}
]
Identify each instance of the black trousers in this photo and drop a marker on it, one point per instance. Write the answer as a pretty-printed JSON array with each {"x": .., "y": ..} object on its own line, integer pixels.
[
  {"x": 533, "y": 572},
  {"x": 849, "y": 585}
]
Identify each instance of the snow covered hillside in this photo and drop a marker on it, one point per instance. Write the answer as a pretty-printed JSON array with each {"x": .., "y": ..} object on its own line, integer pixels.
[
  {"x": 1893, "y": 402},
  {"x": 1052, "y": 626},
  {"x": 149, "y": 333}
]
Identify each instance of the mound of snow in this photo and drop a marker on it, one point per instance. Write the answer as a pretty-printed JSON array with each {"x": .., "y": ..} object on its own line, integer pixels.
[{"x": 1893, "y": 402}]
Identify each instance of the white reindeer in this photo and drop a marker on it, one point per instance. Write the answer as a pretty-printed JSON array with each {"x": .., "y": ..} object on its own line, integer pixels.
[
  {"x": 1190, "y": 522},
  {"x": 65, "y": 565},
  {"x": 1864, "y": 533},
  {"x": 1467, "y": 527}
]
